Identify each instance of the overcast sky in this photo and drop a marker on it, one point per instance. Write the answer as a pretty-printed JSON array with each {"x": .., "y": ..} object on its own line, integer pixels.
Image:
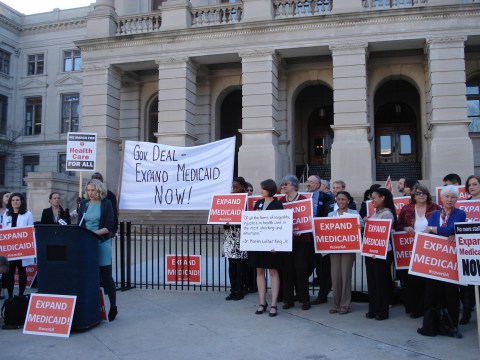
[{"x": 38, "y": 6}]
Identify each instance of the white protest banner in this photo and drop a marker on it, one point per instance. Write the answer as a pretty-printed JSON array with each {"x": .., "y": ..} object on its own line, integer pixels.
[
  {"x": 467, "y": 238},
  {"x": 266, "y": 230},
  {"x": 163, "y": 177},
  {"x": 81, "y": 151}
]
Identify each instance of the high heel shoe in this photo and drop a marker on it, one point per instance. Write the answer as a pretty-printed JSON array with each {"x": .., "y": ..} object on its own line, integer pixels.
[
  {"x": 112, "y": 314},
  {"x": 274, "y": 313},
  {"x": 264, "y": 308}
]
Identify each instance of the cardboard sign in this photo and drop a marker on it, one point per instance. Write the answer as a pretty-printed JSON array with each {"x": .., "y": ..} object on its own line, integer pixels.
[
  {"x": 251, "y": 200},
  {"x": 302, "y": 215},
  {"x": 471, "y": 208},
  {"x": 402, "y": 249},
  {"x": 308, "y": 195},
  {"x": 227, "y": 208},
  {"x": 31, "y": 275},
  {"x": 461, "y": 188},
  {"x": 103, "y": 308},
  {"x": 81, "y": 151},
  {"x": 467, "y": 239},
  {"x": 337, "y": 234},
  {"x": 18, "y": 243},
  {"x": 399, "y": 203},
  {"x": 266, "y": 230},
  {"x": 434, "y": 257},
  {"x": 183, "y": 269},
  {"x": 375, "y": 238},
  {"x": 50, "y": 315}
]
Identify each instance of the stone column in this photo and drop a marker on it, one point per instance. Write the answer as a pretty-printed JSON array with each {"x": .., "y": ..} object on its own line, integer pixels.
[
  {"x": 101, "y": 21},
  {"x": 351, "y": 151},
  {"x": 100, "y": 114},
  {"x": 257, "y": 10},
  {"x": 176, "y": 14},
  {"x": 258, "y": 158},
  {"x": 451, "y": 149},
  {"x": 177, "y": 92}
]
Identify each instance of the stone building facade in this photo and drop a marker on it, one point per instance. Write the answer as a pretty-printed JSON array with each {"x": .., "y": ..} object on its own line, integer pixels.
[{"x": 348, "y": 89}]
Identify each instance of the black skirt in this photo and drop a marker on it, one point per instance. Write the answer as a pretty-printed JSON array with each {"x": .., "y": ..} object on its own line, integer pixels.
[{"x": 265, "y": 259}]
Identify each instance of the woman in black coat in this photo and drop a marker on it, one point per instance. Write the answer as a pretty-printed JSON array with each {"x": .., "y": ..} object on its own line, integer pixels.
[{"x": 55, "y": 212}]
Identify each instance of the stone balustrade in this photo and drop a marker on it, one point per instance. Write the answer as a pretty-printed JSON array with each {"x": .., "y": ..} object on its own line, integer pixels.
[
  {"x": 231, "y": 13},
  {"x": 392, "y": 4},
  {"x": 299, "y": 8},
  {"x": 142, "y": 23}
]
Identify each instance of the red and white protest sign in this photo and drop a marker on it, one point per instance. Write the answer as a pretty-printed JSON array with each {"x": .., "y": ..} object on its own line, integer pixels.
[
  {"x": 308, "y": 195},
  {"x": 337, "y": 234},
  {"x": 18, "y": 243},
  {"x": 103, "y": 308},
  {"x": 31, "y": 275},
  {"x": 227, "y": 208},
  {"x": 50, "y": 315},
  {"x": 471, "y": 208},
  {"x": 402, "y": 249},
  {"x": 183, "y": 269},
  {"x": 399, "y": 203},
  {"x": 302, "y": 215},
  {"x": 251, "y": 200},
  {"x": 434, "y": 257},
  {"x": 375, "y": 238},
  {"x": 462, "y": 196}
]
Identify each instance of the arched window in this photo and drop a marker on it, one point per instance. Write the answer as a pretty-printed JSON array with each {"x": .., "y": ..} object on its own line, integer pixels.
[{"x": 473, "y": 104}]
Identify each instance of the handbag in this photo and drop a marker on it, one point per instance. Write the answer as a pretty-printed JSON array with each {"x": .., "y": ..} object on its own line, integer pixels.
[{"x": 14, "y": 311}]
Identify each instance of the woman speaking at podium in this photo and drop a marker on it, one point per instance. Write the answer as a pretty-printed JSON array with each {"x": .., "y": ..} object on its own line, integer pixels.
[{"x": 96, "y": 214}]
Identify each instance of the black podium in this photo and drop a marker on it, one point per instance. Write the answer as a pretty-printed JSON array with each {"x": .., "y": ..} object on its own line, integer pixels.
[{"x": 67, "y": 259}]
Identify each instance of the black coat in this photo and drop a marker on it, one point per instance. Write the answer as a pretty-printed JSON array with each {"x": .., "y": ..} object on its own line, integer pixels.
[{"x": 47, "y": 216}]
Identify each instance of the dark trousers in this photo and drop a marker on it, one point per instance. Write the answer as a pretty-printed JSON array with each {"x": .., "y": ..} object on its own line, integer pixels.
[
  {"x": 297, "y": 267},
  {"x": 237, "y": 271},
  {"x": 325, "y": 276},
  {"x": 106, "y": 281},
  {"x": 467, "y": 296},
  {"x": 413, "y": 292},
  {"x": 379, "y": 282},
  {"x": 10, "y": 277},
  {"x": 447, "y": 295}
]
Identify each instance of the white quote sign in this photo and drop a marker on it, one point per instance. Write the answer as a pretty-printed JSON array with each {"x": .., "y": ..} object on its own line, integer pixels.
[
  {"x": 266, "y": 230},
  {"x": 163, "y": 177}
]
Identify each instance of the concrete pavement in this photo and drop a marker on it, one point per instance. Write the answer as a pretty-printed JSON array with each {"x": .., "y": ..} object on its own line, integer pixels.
[{"x": 158, "y": 324}]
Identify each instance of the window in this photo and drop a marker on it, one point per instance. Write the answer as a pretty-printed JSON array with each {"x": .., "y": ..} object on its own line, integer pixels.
[
  {"x": 30, "y": 164},
  {"x": 62, "y": 164},
  {"x": 2, "y": 170},
  {"x": 3, "y": 114},
  {"x": 33, "y": 115},
  {"x": 473, "y": 104},
  {"x": 70, "y": 103},
  {"x": 4, "y": 62},
  {"x": 36, "y": 64},
  {"x": 156, "y": 4},
  {"x": 72, "y": 59}
]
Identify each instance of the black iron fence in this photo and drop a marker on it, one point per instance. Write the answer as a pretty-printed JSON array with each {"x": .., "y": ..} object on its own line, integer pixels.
[{"x": 195, "y": 259}]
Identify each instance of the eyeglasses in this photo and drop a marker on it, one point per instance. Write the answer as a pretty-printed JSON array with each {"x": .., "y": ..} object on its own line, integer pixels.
[
  {"x": 285, "y": 184},
  {"x": 420, "y": 193}
]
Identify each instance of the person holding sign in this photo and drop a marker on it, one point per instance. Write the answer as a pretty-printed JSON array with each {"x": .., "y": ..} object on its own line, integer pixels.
[
  {"x": 55, "y": 212},
  {"x": 342, "y": 263},
  {"x": 96, "y": 214},
  {"x": 467, "y": 293},
  {"x": 237, "y": 260},
  {"x": 414, "y": 218},
  {"x": 262, "y": 260},
  {"x": 298, "y": 264},
  {"x": 440, "y": 294},
  {"x": 17, "y": 215},
  {"x": 379, "y": 278}
]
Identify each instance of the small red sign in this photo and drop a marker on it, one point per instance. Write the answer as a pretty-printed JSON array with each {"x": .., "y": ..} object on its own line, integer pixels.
[
  {"x": 18, "y": 243},
  {"x": 302, "y": 215},
  {"x": 251, "y": 200},
  {"x": 434, "y": 257},
  {"x": 227, "y": 208},
  {"x": 399, "y": 203},
  {"x": 103, "y": 308},
  {"x": 183, "y": 269},
  {"x": 336, "y": 234},
  {"x": 50, "y": 315},
  {"x": 375, "y": 238},
  {"x": 31, "y": 275},
  {"x": 402, "y": 248},
  {"x": 471, "y": 207},
  {"x": 462, "y": 196}
]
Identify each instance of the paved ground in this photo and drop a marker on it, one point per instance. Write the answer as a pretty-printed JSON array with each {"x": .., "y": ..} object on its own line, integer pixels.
[{"x": 156, "y": 324}]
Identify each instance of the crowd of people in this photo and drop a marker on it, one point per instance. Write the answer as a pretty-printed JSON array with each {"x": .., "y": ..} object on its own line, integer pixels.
[{"x": 437, "y": 301}]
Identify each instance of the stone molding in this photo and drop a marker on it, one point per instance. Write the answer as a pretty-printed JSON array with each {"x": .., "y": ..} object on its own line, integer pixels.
[{"x": 260, "y": 131}]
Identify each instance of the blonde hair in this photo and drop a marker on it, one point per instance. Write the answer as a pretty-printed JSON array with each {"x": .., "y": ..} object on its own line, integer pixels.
[{"x": 99, "y": 187}]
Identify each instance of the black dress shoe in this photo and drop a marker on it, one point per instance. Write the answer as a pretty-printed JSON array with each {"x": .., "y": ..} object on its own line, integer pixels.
[
  {"x": 320, "y": 300},
  {"x": 306, "y": 305},
  {"x": 237, "y": 296},
  {"x": 370, "y": 315},
  {"x": 381, "y": 317},
  {"x": 287, "y": 305},
  {"x": 112, "y": 314},
  {"x": 230, "y": 296}
]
